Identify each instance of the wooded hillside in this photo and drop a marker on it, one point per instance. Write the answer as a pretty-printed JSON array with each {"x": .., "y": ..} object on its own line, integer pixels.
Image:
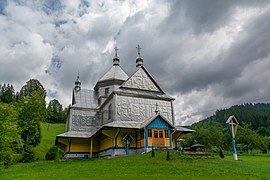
[{"x": 257, "y": 116}]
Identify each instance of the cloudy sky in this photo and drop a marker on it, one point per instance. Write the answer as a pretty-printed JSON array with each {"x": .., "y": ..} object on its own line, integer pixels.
[{"x": 208, "y": 54}]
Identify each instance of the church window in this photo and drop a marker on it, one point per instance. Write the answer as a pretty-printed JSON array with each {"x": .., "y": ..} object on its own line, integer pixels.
[
  {"x": 149, "y": 132},
  {"x": 160, "y": 134},
  {"x": 166, "y": 134},
  {"x": 155, "y": 134},
  {"x": 106, "y": 91},
  {"x": 110, "y": 112}
]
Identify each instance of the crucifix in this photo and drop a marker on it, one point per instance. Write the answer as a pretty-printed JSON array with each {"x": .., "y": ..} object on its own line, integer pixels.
[
  {"x": 116, "y": 50},
  {"x": 232, "y": 125},
  {"x": 139, "y": 49}
]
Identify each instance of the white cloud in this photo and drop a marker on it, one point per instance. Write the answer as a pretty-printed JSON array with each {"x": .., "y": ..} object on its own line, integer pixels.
[{"x": 208, "y": 55}]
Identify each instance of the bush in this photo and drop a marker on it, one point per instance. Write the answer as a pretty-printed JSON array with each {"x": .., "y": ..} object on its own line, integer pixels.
[
  {"x": 52, "y": 153},
  {"x": 5, "y": 160},
  {"x": 28, "y": 154},
  {"x": 221, "y": 153},
  {"x": 153, "y": 152},
  {"x": 168, "y": 155}
]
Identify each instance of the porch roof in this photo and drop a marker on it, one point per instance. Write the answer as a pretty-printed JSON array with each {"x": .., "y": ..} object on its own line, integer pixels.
[{"x": 75, "y": 134}]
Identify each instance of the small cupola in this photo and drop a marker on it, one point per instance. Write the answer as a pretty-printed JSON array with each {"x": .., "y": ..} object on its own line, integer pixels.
[
  {"x": 78, "y": 83},
  {"x": 116, "y": 59},
  {"x": 139, "y": 60}
]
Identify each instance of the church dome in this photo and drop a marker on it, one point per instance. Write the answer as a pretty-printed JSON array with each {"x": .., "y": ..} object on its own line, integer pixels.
[
  {"x": 115, "y": 73},
  {"x": 114, "y": 76}
]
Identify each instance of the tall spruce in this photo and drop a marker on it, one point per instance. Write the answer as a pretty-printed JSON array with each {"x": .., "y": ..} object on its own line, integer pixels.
[{"x": 7, "y": 93}]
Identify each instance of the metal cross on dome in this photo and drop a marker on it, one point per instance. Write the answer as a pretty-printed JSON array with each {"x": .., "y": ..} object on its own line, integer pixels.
[
  {"x": 116, "y": 50},
  {"x": 139, "y": 49}
]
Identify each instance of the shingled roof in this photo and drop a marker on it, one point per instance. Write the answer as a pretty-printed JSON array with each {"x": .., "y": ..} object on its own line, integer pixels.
[{"x": 116, "y": 72}]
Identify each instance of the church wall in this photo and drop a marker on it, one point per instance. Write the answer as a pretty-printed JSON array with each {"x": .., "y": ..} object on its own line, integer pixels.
[
  {"x": 140, "y": 109},
  {"x": 65, "y": 142},
  {"x": 105, "y": 143},
  {"x": 133, "y": 149},
  {"x": 121, "y": 135},
  {"x": 141, "y": 80},
  {"x": 140, "y": 138},
  {"x": 79, "y": 145},
  {"x": 82, "y": 120},
  {"x": 101, "y": 90},
  {"x": 105, "y": 111},
  {"x": 67, "y": 122}
]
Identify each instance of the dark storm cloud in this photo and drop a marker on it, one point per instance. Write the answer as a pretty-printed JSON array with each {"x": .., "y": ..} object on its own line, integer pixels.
[
  {"x": 195, "y": 50},
  {"x": 253, "y": 44},
  {"x": 204, "y": 16}
]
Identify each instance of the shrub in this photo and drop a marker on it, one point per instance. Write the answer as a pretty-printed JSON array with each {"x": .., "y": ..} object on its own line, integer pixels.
[
  {"x": 221, "y": 153},
  {"x": 28, "y": 154},
  {"x": 52, "y": 153},
  {"x": 168, "y": 155},
  {"x": 153, "y": 152}
]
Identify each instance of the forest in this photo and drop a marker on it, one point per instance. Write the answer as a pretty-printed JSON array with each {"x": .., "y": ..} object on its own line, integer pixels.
[
  {"x": 20, "y": 116},
  {"x": 253, "y": 131}
]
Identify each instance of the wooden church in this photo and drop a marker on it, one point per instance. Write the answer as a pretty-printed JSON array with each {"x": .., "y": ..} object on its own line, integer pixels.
[{"x": 123, "y": 115}]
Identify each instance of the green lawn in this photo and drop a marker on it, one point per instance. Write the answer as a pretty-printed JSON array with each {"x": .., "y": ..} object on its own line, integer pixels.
[
  {"x": 144, "y": 167},
  {"x": 141, "y": 166},
  {"x": 48, "y": 134}
]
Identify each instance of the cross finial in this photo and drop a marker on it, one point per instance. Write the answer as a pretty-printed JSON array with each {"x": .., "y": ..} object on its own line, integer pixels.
[
  {"x": 116, "y": 50},
  {"x": 156, "y": 111},
  {"x": 78, "y": 83},
  {"x": 78, "y": 76},
  {"x": 139, "y": 49}
]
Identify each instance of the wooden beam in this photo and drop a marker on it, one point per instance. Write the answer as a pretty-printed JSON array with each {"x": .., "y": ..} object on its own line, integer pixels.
[
  {"x": 91, "y": 148},
  {"x": 115, "y": 137}
]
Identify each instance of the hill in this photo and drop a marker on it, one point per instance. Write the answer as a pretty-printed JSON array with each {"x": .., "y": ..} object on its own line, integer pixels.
[
  {"x": 257, "y": 116},
  {"x": 48, "y": 134}
]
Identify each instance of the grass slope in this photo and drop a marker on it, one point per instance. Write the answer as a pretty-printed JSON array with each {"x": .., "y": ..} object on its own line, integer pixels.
[
  {"x": 141, "y": 166},
  {"x": 48, "y": 134},
  {"x": 144, "y": 167}
]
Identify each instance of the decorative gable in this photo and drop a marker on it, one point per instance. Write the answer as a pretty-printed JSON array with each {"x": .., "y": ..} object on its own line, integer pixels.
[
  {"x": 141, "y": 79},
  {"x": 159, "y": 123}
]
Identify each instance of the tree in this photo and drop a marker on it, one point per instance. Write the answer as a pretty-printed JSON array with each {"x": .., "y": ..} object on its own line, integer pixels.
[
  {"x": 31, "y": 112},
  {"x": 32, "y": 86},
  {"x": 55, "y": 113},
  {"x": 208, "y": 133},
  {"x": 262, "y": 131},
  {"x": 250, "y": 139},
  {"x": 8, "y": 132},
  {"x": 7, "y": 94}
]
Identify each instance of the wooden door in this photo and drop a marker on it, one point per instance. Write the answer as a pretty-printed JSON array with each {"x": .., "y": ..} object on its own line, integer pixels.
[
  {"x": 158, "y": 139},
  {"x": 161, "y": 141},
  {"x": 155, "y": 139}
]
